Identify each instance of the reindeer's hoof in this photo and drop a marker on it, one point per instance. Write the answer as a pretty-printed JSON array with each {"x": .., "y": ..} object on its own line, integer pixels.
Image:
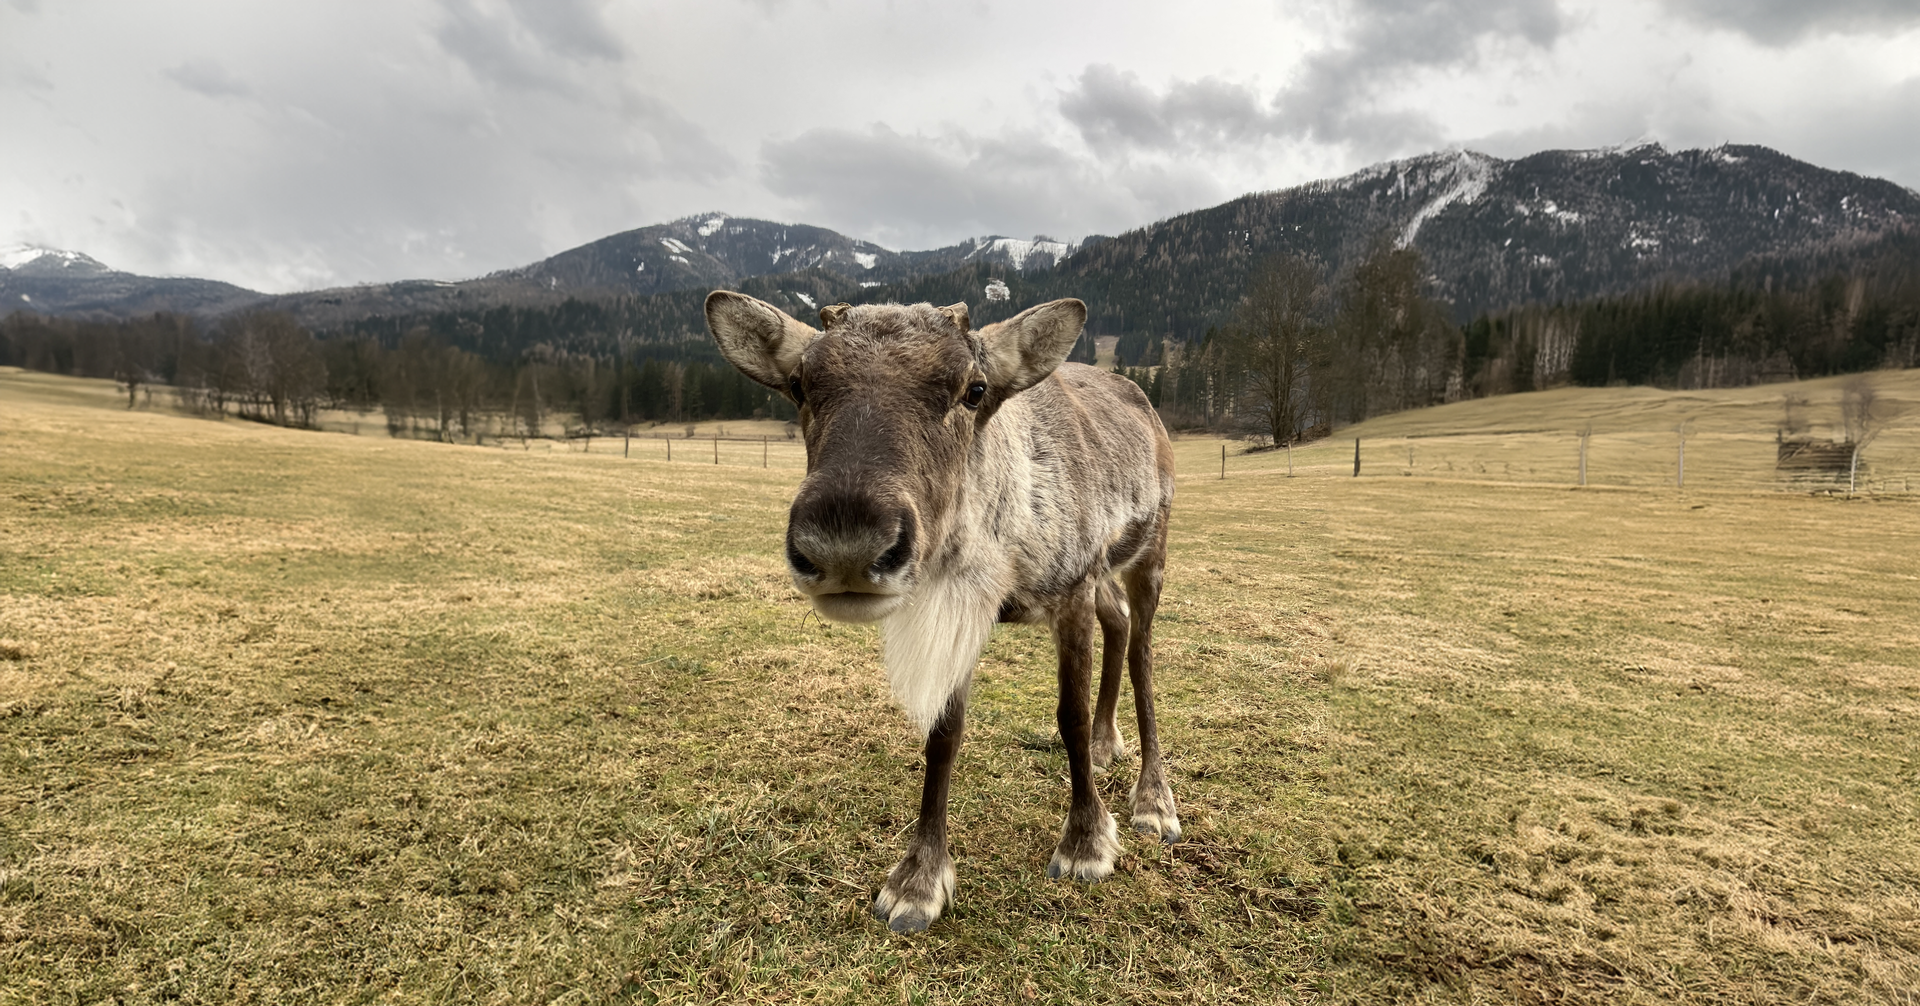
[
  {"x": 1154, "y": 813},
  {"x": 914, "y": 897},
  {"x": 1086, "y": 854},
  {"x": 1107, "y": 749},
  {"x": 1167, "y": 827}
]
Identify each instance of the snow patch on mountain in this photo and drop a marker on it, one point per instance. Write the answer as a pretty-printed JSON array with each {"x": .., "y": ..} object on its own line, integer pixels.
[
  {"x": 712, "y": 226},
  {"x": 1550, "y": 209},
  {"x": 1472, "y": 173},
  {"x": 1631, "y": 146},
  {"x": 1017, "y": 251},
  {"x": 675, "y": 246}
]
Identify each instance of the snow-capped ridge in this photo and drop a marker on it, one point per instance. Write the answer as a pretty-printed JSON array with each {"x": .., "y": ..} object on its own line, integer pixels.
[{"x": 18, "y": 255}]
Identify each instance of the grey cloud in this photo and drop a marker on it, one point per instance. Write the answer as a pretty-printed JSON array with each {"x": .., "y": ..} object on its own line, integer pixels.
[
  {"x": 205, "y": 76},
  {"x": 916, "y": 191},
  {"x": 412, "y": 159},
  {"x": 527, "y": 44},
  {"x": 1333, "y": 99},
  {"x": 1852, "y": 134},
  {"x": 1858, "y": 135},
  {"x": 663, "y": 143},
  {"x": 571, "y": 27},
  {"x": 1114, "y": 111},
  {"x": 1782, "y": 22}
]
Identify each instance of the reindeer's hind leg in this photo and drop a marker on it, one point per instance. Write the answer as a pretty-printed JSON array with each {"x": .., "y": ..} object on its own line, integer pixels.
[
  {"x": 1112, "y": 611},
  {"x": 1087, "y": 844},
  {"x": 1153, "y": 809}
]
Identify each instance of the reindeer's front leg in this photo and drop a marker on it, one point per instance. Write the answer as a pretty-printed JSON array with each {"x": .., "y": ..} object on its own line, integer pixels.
[
  {"x": 921, "y": 887},
  {"x": 1088, "y": 845}
]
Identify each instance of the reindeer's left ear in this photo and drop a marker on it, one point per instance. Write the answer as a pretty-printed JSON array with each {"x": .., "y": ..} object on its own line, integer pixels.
[
  {"x": 1025, "y": 348},
  {"x": 760, "y": 339}
]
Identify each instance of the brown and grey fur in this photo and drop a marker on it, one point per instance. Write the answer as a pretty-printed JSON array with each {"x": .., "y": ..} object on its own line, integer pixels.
[{"x": 958, "y": 478}]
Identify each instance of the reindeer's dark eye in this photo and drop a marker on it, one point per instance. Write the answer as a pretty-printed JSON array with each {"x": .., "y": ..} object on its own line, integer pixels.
[
  {"x": 975, "y": 392},
  {"x": 793, "y": 389}
]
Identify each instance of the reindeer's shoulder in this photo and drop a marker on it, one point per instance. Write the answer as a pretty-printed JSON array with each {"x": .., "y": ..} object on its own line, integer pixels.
[{"x": 1094, "y": 388}]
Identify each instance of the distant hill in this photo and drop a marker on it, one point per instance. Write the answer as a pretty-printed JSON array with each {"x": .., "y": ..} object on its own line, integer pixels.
[{"x": 51, "y": 281}]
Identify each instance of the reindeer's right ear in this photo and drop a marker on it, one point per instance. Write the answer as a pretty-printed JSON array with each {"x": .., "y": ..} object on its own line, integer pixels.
[{"x": 760, "y": 339}]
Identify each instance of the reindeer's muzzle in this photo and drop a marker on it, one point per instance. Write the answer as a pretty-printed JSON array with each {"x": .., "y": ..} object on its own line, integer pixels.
[{"x": 851, "y": 549}]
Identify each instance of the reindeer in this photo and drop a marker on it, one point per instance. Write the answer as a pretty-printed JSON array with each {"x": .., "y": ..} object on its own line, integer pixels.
[{"x": 956, "y": 479}]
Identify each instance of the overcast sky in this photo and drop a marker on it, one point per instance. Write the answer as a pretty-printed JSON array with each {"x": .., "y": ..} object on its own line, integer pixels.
[{"x": 285, "y": 145}]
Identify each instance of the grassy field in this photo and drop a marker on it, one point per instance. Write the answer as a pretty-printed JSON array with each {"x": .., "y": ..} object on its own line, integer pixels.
[{"x": 304, "y": 717}]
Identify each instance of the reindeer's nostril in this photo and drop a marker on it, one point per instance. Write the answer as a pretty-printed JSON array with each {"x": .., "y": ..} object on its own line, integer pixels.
[
  {"x": 895, "y": 558},
  {"x": 799, "y": 561}
]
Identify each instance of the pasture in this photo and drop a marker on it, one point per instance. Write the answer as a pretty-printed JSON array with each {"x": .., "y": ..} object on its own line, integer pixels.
[{"x": 303, "y": 717}]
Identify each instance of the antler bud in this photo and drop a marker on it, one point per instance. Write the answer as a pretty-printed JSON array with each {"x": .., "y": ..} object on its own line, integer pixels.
[{"x": 957, "y": 313}]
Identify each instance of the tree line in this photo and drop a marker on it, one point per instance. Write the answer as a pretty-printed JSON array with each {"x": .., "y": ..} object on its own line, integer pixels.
[
  {"x": 1304, "y": 351},
  {"x": 265, "y": 367}
]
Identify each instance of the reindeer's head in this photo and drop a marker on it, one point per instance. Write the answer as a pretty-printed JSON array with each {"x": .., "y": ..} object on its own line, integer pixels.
[{"x": 891, "y": 399}]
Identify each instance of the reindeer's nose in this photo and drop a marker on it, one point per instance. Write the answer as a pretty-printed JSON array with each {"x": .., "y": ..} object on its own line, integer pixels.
[{"x": 848, "y": 541}]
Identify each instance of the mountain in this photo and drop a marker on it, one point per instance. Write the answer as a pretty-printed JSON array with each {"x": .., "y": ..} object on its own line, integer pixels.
[
  {"x": 1555, "y": 226},
  {"x": 714, "y": 250},
  {"x": 51, "y": 281},
  {"x": 702, "y": 252}
]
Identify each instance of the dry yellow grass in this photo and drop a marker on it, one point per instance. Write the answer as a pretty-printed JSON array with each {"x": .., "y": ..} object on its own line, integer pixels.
[{"x": 294, "y": 716}]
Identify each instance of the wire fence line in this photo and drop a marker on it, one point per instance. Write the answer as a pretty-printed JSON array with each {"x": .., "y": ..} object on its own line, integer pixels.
[
  {"x": 1889, "y": 465},
  {"x": 1712, "y": 460}
]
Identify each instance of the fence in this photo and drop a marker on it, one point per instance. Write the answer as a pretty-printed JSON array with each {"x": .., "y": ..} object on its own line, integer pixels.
[
  {"x": 1888, "y": 465},
  {"x": 758, "y": 452}
]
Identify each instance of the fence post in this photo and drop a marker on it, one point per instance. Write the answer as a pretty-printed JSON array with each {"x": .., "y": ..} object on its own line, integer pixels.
[
  {"x": 1356, "y": 457},
  {"x": 1289, "y": 459},
  {"x": 1584, "y": 434},
  {"x": 1680, "y": 472},
  {"x": 763, "y": 450},
  {"x": 669, "y": 448},
  {"x": 1223, "y": 461},
  {"x": 626, "y": 448},
  {"x": 716, "y": 448}
]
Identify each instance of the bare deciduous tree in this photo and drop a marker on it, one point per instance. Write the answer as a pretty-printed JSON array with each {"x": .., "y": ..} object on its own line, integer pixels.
[
  {"x": 1864, "y": 414},
  {"x": 1394, "y": 348},
  {"x": 1272, "y": 337}
]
